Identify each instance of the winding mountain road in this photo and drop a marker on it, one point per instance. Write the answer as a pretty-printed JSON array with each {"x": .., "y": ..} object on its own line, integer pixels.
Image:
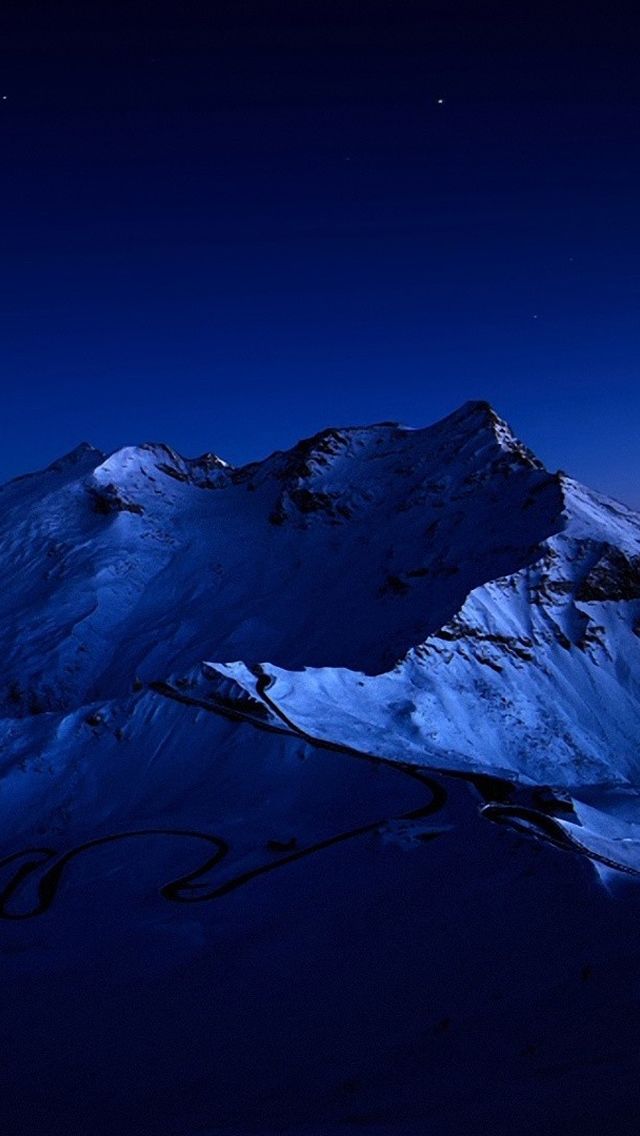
[{"x": 192, "y": 888}]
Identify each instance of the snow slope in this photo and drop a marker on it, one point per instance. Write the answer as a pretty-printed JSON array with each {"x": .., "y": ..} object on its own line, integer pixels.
[{"x": 535, "y": 678}]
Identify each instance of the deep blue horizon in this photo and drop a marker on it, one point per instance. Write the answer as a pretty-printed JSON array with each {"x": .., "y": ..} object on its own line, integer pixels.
[{"x": 229, "y": 229}]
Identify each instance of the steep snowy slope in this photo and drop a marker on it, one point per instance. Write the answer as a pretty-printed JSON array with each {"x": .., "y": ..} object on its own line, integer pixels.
[
  {"x": 535, "y": 679},
  {"x": 253, "y": 723}
]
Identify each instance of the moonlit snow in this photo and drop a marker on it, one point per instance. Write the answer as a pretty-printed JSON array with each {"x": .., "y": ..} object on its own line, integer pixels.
[{"x": 257, "y": 726}]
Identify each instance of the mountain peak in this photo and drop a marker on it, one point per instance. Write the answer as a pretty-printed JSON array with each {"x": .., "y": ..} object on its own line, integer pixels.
[
  {"x": 476, "y": 419},
  {"x": 75, "y": 456}
]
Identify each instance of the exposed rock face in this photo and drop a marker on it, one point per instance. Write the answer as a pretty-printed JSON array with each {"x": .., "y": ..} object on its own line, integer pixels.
[
  {"x": 614, "y": 576},
  {"x": 107, "y": 500}
]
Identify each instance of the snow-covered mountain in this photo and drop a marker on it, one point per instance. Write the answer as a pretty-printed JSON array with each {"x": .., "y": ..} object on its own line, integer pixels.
[
  {"x": 433, "y": 596},
  {"x": 346, "y": 551},
  {"x": 245, "y": 670}
]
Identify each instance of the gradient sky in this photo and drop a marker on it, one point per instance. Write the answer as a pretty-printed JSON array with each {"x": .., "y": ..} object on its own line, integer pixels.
[{"x": 226, "y": 225}]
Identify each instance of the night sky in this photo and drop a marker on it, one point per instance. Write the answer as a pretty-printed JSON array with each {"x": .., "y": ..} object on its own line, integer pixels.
[{"x": 226, "y": 225}]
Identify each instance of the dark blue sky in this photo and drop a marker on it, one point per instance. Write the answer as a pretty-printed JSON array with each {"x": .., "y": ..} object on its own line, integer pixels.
[{"x": 227, "y": 225}]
